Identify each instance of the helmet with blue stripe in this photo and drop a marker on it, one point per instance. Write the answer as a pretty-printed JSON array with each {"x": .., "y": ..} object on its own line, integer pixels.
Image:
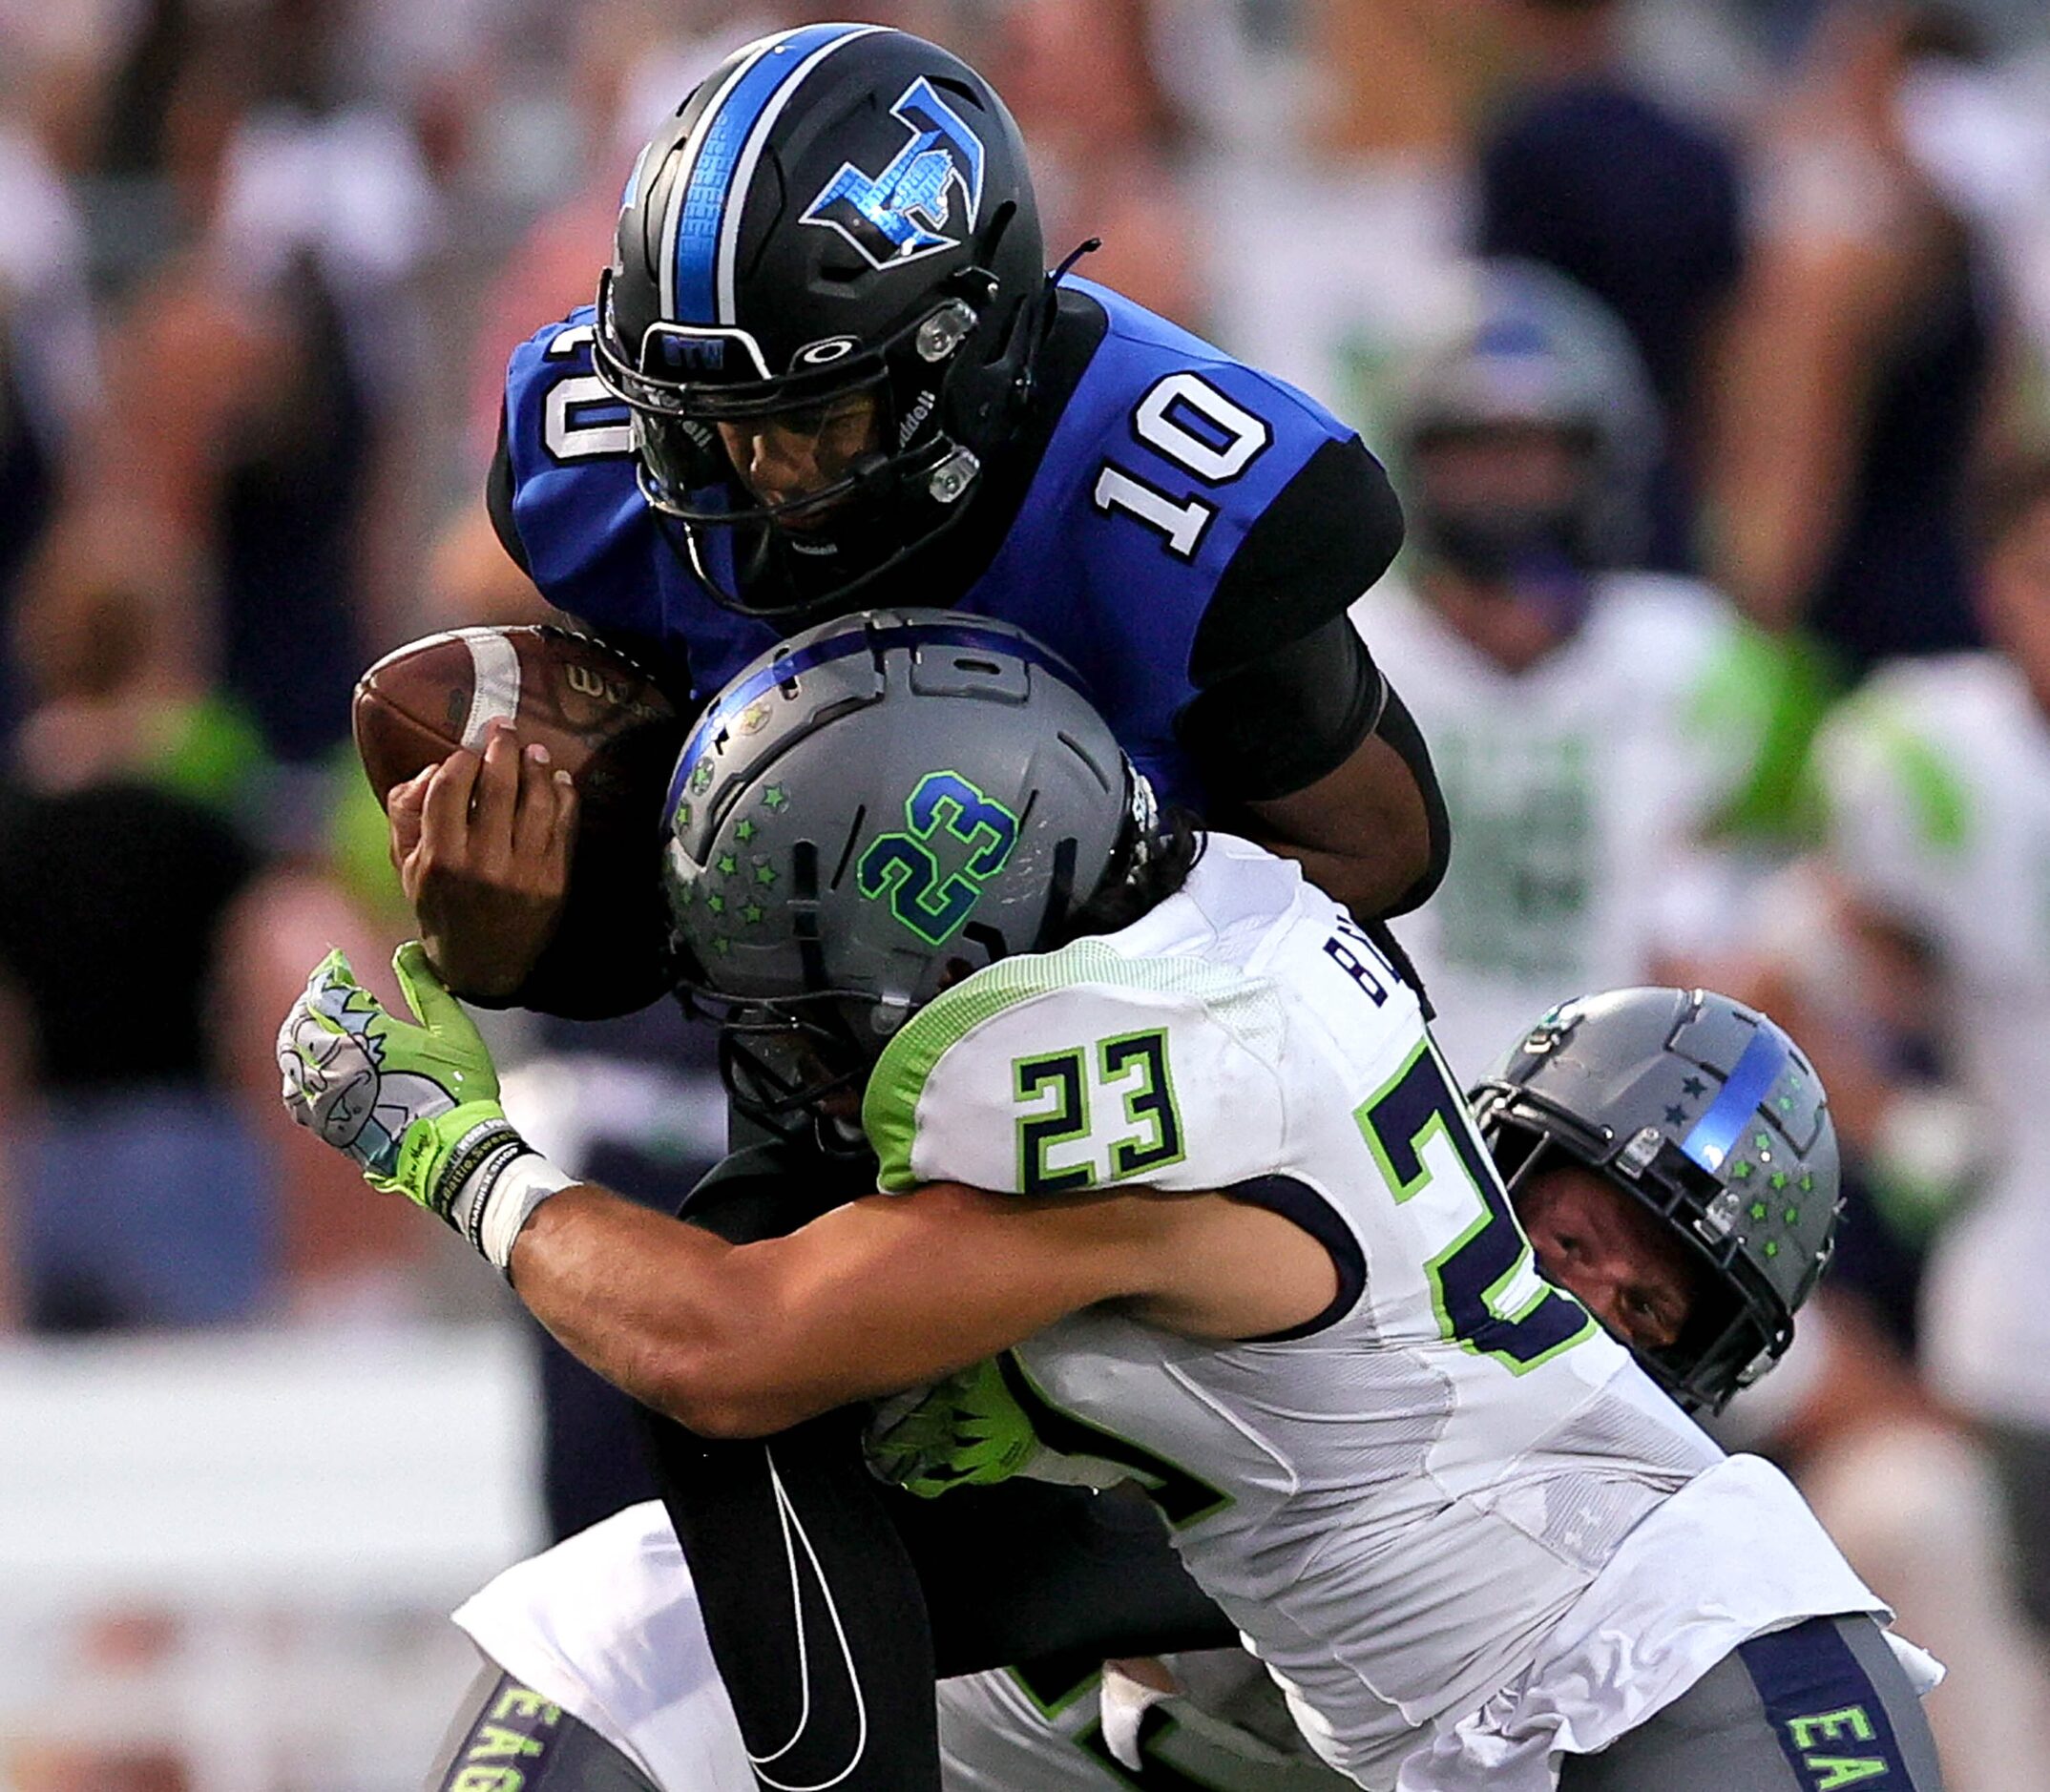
[
  {"x": 875, "y": 808},
  {"x": 1706, "y": 1114},
  {"x": 832, "y": 249}
]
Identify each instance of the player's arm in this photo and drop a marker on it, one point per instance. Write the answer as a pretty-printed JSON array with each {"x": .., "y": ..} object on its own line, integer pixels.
[
  {"x": 1293, "y": 726},
  {"x": 878, "y": 1295},
  {"x": 888, "y": 1293}
]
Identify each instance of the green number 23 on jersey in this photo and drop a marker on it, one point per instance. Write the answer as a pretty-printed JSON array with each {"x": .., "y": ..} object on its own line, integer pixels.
[{"x": 1130, "y": 1066}]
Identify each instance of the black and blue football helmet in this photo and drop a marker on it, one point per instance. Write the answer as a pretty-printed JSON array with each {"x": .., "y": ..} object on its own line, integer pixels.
[{"x": 839, "y": 218}]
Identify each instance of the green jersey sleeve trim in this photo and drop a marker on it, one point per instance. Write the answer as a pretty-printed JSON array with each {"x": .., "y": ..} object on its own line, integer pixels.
[{"x": 890, "y": 1108}]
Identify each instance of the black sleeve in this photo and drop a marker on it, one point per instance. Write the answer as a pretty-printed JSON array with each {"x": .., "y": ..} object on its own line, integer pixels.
[
  {"x": 1330, "y": 534},
  {"x": 1276, "y": 725},
  {"x": 1399, "y": 729},
  {"x": 498, "y": 498}
]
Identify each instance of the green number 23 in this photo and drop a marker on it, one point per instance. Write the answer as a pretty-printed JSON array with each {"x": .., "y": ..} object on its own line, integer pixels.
[{"x": 1131, "y": 1066}]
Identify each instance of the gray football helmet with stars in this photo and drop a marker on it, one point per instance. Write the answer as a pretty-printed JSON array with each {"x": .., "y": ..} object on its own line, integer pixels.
[
  {"x": 1710, "y": 1115},
  {"x": 871, "y": 810}
]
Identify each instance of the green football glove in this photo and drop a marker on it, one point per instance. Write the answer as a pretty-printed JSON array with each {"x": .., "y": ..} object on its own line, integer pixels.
[
  {"x": 964, "y": 1431},
  {"x": 416, "y": 1106}
]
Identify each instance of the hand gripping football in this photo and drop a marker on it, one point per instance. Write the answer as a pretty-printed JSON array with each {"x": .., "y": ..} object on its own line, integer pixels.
[{"x": 605, "y": 722}]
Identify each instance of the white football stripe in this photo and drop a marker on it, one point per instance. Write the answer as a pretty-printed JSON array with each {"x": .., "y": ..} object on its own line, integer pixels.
[{"x": 495, "y": 684}]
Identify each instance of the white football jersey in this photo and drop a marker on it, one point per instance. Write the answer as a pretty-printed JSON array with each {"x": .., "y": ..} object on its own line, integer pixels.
[
  {"x": 1936, "y": 777},
  {"x": 1413, "y": 1505},
  {"x": 1577, "y": 790}
]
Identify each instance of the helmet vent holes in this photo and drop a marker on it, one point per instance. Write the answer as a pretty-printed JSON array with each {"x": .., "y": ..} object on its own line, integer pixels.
[
  {"x": 1105, "y": 774},
  {"x": 989, "y": 667}
]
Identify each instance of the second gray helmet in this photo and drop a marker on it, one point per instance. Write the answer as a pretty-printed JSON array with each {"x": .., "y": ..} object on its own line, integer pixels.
[
  {"x": 875, "y": 807},
  {"x": 1710, "y": 1115}
]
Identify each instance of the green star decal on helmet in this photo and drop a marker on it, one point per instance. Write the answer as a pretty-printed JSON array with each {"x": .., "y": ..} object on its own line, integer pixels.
[
  {"x": 764, "y": 874},
  {"x": 1772, "y": 1248},
  {"x": 775, "y": 797},
  {"x": 1778, "y": 1179},
  {"x": 1759, "y": 1210},
  {"x": 1741, "y": 1170},
  {"x": 1791, "y": 1216},
  {"x": 744, "y": 830},
  {"x": 715, "y": 903},
  {"x": 701, "y": 778},
  {"x": 727, "y": 865},
  {"x": 752, "y": 913}
]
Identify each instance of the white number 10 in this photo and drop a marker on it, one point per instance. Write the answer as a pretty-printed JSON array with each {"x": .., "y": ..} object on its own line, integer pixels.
[{"x": 1231, "y": 439}]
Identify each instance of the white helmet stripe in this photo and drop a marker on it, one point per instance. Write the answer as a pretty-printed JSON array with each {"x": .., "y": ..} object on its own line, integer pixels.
[
  {"x": 750, "y": 153},
  {"x": 666, "y": 257}
]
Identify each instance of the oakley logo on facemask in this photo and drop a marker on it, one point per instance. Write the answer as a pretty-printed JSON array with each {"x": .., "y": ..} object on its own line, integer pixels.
[
  {"x": 904, "y": 212},
  {"x": 931, "y": 902}
]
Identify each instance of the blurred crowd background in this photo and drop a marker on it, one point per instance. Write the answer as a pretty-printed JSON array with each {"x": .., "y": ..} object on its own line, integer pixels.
[{"x": 260, "y": 265}]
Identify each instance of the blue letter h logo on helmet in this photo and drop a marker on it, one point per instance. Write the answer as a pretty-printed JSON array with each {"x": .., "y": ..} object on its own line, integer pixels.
[{"x": 902, "y": 213}]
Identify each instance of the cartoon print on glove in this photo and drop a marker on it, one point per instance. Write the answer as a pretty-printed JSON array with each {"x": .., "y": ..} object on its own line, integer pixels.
[{"x": 334, "y": 1080}]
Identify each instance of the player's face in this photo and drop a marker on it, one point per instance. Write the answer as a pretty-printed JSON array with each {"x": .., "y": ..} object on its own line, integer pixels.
[
  {"x": 792, "y": 454},
  {"x": 1604, "y": 1249}
]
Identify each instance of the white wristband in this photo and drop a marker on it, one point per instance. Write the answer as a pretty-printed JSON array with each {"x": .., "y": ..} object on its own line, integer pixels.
[
  {"x": 515, "y": 1193},
  {"x": 499, "y": 1193}
]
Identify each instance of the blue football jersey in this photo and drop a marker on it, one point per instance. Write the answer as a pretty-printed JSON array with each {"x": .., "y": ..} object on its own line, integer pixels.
[{"x": 1166, "y": 455}]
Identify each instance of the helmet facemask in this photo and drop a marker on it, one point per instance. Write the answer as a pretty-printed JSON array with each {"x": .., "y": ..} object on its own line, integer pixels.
[{"x": 882, "y": 429}]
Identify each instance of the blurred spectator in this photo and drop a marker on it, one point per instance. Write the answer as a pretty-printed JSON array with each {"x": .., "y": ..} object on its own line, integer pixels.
[
  {"x": 1585, "y": 171},
  {"x": 1860, "y": 349},
  {"x": 258, "y": 374},
  {"x": 1590, "y": 723},
  {"x": 1106, "y": 144},
  {"x": 1337, "y": 211},
  {"x": 1938, "y": 785},
  {"x": 146, "y": 1171},
  {"x": 48, "y": 359}
]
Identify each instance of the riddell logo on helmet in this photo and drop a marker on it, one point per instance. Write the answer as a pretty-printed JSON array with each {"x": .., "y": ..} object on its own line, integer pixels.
[
  {"x": 906, "y": 211},
  {"x": 916, "y": 415}
]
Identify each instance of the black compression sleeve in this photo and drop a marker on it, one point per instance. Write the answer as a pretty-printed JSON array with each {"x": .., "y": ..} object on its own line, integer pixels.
[
  {"x": 1327, "y": 537},
  {"x": 1276, "y": 725},
  {"x": 1399, "y": 729},
  {"x": 498, "y": 499}
]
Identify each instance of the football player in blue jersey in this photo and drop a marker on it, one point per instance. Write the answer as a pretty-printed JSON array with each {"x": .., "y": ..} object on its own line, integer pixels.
[{"x": 826, "y": 368}]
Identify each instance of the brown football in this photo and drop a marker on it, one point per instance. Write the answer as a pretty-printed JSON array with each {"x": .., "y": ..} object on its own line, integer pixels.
[{"x": 606, "y": 722}]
